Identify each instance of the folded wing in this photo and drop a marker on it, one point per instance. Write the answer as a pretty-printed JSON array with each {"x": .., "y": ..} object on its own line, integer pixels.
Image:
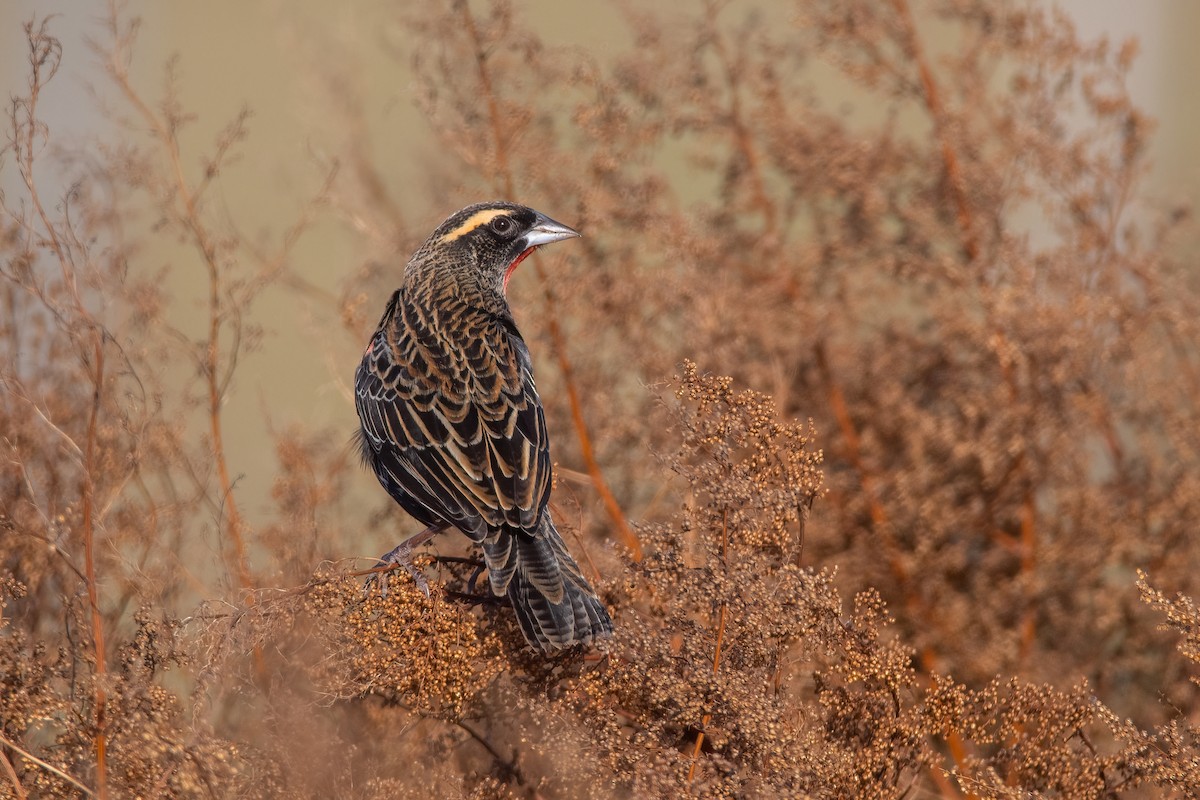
[{"x": 450, "y": 414}]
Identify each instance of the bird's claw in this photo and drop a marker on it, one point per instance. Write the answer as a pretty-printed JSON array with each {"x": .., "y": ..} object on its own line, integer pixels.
[{"x": 398, "y": 556}]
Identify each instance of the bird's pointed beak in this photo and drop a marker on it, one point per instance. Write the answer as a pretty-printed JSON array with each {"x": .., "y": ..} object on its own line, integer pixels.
[{"x": 547, "y": 231}]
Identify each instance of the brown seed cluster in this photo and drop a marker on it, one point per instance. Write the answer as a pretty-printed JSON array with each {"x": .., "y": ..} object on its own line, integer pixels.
[{"x": 429, "y": 655}]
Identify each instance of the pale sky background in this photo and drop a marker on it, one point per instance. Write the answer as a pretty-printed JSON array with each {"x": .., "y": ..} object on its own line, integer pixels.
[{"x": 269, "y": 55}]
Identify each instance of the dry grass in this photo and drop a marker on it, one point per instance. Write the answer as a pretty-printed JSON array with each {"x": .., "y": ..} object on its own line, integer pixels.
[{"x": 954, "y": 577}]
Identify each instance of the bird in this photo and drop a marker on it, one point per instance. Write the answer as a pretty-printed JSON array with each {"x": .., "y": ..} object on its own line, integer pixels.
[{"x": 452, "y": 425}]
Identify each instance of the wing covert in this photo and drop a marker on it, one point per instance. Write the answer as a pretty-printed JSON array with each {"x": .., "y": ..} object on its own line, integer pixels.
[{"x": 457, "y": 425}]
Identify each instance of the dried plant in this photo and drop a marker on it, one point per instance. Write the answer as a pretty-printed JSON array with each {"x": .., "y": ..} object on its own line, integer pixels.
[{"x": 906, "y": 509}]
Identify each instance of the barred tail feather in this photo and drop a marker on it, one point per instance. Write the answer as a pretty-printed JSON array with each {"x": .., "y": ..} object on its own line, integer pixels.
[{"x": 554, "y": 603}]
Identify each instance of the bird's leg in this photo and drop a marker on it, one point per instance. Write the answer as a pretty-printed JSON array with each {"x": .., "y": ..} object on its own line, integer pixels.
[
  {"x": 475, "y": 577},
  {"x": 401, "y": 555}
]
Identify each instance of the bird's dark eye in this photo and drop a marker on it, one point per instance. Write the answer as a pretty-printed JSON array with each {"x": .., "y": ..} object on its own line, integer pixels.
[{"x": 502, "y": 225}]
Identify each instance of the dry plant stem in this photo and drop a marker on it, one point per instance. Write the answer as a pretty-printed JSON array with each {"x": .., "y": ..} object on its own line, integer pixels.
[
  {"x": 12, "y": 777},
  {"x": 43, "y": 56},
  {"x": 741, "y": 132},
  {"x": 1028, "y": 626},
  {"x": 558, "y": 341},
  {"x": 164, "y": 132},
  {"x": 841, "y": 411},
  {"x": 191, "y": 219},
  {"x": 509, "y": 766},
  {"x": 716, "y": 664},
  {"x": 934, "y": 103},
  {"x": 837, "y": 403},
  {"x": 954, "y": 743},
  {"x": 970, "y": 247},
  {"x": 89, "y": 559},
  {"x": 626, "y": 534},
  {"x": 48, "y": 767}
]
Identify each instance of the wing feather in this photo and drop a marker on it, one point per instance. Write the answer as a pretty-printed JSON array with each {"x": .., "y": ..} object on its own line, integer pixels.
[{"x": 456, "y": 423}]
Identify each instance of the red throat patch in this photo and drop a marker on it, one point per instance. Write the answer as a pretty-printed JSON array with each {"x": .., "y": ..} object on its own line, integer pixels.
[{"x": 508, "y": 272}]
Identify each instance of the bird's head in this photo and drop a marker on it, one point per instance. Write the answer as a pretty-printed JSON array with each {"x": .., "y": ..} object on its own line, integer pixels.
[{"x": 492, "y": 239}]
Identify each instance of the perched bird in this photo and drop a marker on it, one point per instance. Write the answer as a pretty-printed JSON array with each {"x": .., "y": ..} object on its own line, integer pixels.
[{"x": 452, "y": 424}]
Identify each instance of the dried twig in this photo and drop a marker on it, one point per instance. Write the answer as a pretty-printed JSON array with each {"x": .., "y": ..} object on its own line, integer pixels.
[
  {"x": 12, "y": 776},
  {"x": 716, "y": 662},
  {"x": 46, "y": 766},
  {"x": 508, "y": 765},
  {"x": 933, "y": 100},
  {"x": 557, "y": 339},
  {"x": 45, "y": 54},
  {"x": 165, "y": 131},
  {"x": 89, "y": 565}
]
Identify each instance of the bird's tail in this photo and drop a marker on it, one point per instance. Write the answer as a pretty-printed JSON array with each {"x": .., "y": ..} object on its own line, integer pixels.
[{"x": 555, "y": 605}]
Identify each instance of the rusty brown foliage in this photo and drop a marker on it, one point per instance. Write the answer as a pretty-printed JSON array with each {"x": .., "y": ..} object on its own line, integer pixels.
[{"x": 875, "y": 419}]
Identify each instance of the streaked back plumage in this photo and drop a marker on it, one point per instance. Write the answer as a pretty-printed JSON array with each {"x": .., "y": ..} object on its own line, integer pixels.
[{"x": 452, "y": 424}]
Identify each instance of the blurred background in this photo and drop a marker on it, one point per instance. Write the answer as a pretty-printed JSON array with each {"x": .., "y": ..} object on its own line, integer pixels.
[{"x": 291, "y": 63}]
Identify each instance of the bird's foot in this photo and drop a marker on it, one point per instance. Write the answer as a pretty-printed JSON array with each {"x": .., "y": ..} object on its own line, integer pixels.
[
  {"x": 398, "y": 556},
  {"x": 401, "y": 555}
]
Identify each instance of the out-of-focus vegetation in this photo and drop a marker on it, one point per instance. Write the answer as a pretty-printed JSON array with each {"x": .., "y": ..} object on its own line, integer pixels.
[{"x": 925, "y": 538}]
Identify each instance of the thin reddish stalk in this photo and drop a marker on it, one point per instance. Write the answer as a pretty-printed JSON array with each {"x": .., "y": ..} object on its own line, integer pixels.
[
  {"x": 43, "y": 57},
  {"x": 933, "y": 102},
  {"x": 626, "y": 534},
  {"x": 557, "y": 339},
  {"x": 45, "y": 765},
  {"x": 970, "y": 247},
  {"x": 841, "y": 412},
  {"x": 879, "y": 524},
  {"x": 89, "y": 566},
  {"x": 954, "y": 740},
  {"x": 716, "y": 662},
  {"x": 191, "y": 218},
  {"x": 742, "y": 138},
  {"x": 12, "y": 777},
  {"x": 1028, "y": 563}
]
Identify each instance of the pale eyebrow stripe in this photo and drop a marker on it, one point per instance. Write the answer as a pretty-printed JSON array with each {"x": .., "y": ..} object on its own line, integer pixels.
[{"x": 474, "y": 221}]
